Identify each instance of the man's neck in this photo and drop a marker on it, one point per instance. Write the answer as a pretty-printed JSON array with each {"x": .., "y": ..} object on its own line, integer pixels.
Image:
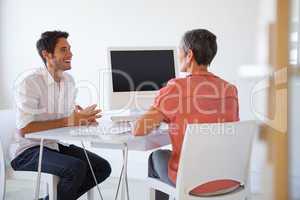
[
  {"x": 56, "y": 74},
  {"x": 196, "y": 69}
]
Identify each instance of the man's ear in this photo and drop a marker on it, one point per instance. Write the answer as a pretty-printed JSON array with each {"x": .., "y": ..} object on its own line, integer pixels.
[
  {"x": 190, "y": 55},
  {"x": 46, "y": 54}
]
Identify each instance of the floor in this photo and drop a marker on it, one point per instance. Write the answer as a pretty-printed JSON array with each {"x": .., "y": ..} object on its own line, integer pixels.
[{"x": 24, "y": 190}]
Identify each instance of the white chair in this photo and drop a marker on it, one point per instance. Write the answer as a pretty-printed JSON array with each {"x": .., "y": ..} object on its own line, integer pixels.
[
  {"x": 2, "y": 173},
  {"x": 211, "y": 152},
  {"x": 7, "y": 129}
]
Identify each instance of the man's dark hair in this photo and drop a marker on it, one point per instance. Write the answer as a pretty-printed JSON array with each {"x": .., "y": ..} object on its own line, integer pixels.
[
  {"x": 48, "y": 41},
  {"x": 203, "y": 44}
]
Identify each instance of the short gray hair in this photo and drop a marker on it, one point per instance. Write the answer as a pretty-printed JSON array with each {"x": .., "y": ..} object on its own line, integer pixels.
[{"x": 203, "y": 44}]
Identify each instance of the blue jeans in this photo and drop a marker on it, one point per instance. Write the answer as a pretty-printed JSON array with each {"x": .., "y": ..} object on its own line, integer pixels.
[
  {"x": 158, "y": 168},
  {"x": 69, "y": 164}
]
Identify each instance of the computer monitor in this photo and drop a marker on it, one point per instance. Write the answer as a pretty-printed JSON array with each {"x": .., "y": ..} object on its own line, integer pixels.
[{"x": 138, "y": 73}]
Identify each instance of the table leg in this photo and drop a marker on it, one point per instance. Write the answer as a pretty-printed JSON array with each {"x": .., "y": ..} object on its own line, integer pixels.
[
  {"x": 123, "y": 180},
  {"x": 124, "y": 177},
  {"x": 91, "y": 168},
  {"x": 127, "y": 189},
  {"x": 38, "y": 179},
  {"x": 119, "y": 182}
]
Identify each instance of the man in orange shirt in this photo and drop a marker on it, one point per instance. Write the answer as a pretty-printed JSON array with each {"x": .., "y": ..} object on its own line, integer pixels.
[{"x": 200, "y": 97}]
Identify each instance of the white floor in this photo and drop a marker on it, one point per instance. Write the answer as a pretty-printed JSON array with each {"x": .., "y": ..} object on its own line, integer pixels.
[{"x": 24, "y": 190}]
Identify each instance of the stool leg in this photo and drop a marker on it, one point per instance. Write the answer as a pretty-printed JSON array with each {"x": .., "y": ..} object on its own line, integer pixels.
[
  {"x": 52, "y": 187},
  {"x": 90, "y": 194},
  {"x": 151, "y": 194}
]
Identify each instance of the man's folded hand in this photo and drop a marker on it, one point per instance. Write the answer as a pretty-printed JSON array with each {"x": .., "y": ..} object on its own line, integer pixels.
[{"x": 84, "y": 116}]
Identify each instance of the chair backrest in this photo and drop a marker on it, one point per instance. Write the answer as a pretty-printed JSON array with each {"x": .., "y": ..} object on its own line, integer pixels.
[
  {"x": 215, "y": 151},
  {"x": 7, "y": 128},
  {"x": 2, "y": 173}
]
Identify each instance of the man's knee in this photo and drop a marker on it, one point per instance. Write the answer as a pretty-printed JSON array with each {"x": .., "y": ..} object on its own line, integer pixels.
[
  {"x": 75, "y": 169},
  {"x": 106, "y": 169},
  {"x": 102, "y": 169}
]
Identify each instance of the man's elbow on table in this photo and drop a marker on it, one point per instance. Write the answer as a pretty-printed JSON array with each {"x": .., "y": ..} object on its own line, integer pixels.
[
  {"x": 29, "y": 128},
  {"x": 23, "y": 131}
]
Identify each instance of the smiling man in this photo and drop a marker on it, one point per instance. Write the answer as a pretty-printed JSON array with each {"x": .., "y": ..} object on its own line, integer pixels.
[{"x": 45, "y": 100}]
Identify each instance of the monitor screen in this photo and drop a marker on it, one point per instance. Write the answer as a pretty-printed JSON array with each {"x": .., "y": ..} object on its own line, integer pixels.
[{"x": 141, "y": 70}]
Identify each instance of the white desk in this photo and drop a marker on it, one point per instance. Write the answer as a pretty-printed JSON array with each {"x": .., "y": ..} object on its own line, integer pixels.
[{"x": 125, "y": 142}]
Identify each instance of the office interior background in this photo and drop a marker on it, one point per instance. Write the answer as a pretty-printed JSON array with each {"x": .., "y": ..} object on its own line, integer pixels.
[{"x": 245, "y": 45}]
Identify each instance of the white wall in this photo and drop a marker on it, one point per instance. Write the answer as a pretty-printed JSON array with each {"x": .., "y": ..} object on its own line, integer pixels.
[
  {"x": 294, "y": 110},
  {"x": 294, "y": 136},
  {"x": 96, "y": 24}
]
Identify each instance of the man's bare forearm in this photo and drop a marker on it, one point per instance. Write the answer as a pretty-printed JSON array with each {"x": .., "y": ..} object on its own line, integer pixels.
[
  {"x": 45, "y": 125},
  {"x": 83, "y": 117}
]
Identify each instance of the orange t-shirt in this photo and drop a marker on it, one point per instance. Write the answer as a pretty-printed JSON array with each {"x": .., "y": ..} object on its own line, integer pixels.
[{"x": 197, "y": 98}]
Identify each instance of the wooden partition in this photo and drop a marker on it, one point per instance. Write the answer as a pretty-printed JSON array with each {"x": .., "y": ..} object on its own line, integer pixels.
[{"x": 275, "y": 132}]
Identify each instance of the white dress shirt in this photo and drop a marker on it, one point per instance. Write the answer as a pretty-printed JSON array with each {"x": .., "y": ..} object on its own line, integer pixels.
[{"x": 39, "y": 98}]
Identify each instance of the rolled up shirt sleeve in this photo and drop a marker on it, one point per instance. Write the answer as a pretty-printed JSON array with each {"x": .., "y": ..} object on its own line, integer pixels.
[{"x": 27, "y": 100}]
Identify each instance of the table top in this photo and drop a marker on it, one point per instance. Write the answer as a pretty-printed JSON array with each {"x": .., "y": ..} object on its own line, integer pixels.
[{"x": 157, "y": 138}]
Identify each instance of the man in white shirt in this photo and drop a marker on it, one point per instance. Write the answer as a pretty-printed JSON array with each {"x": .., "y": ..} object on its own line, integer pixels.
[{"x": 45, "y": 100}]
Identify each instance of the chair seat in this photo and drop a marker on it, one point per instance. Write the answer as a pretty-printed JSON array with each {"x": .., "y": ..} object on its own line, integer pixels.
[
  {"x": 168, "y": 189},
  {"x": 239, "y": 194}
]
